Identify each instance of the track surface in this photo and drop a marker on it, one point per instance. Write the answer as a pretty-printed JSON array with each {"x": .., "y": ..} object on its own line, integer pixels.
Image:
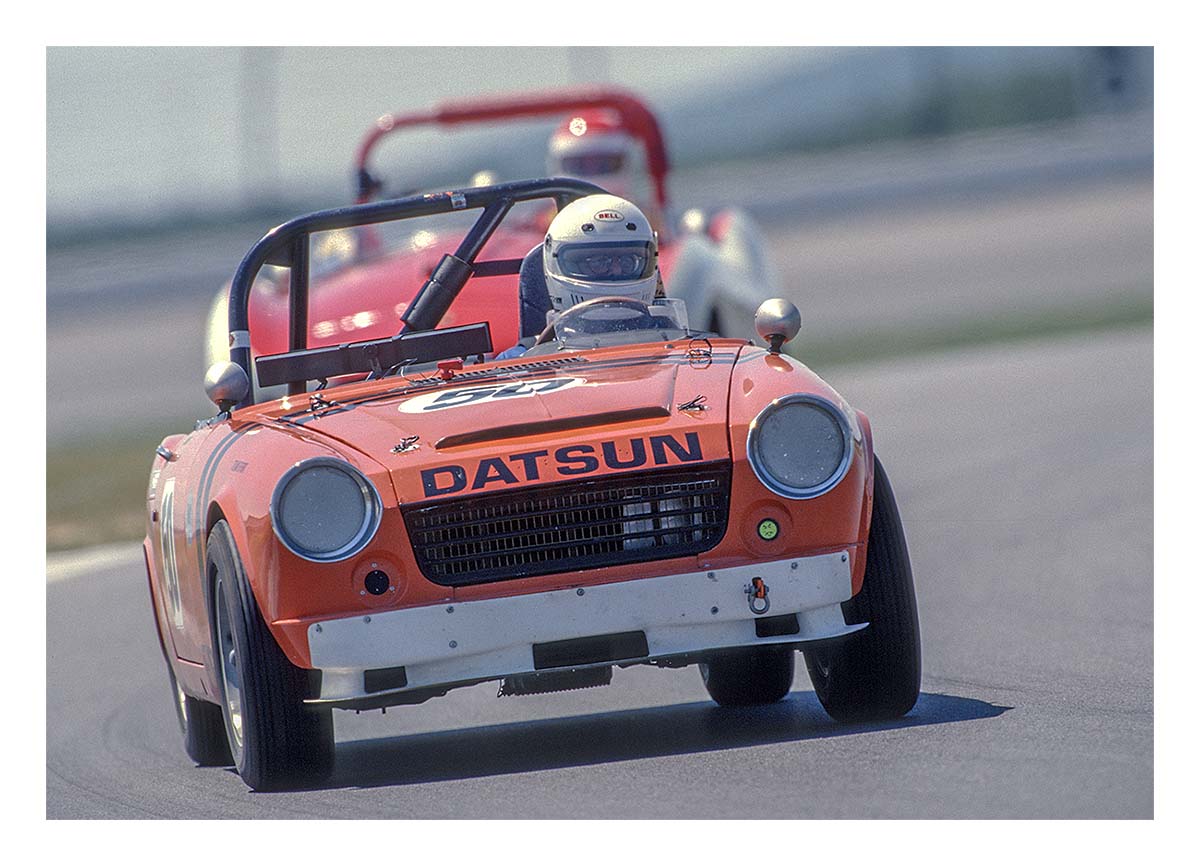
[{"x": 1027, "y": 498}]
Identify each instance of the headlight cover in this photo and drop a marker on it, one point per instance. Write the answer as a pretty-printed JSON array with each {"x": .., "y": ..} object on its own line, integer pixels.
[
  {"x": 800, "y": 446},
  {"x": 325, "y": 510}
]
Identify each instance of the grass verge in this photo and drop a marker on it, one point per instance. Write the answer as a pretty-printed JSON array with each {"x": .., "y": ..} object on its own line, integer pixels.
[
  {"x": 1000, "y": 328},
  {"x": 95, "y": 493}
]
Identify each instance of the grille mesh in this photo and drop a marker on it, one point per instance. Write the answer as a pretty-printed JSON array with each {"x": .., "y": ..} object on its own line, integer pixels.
[{"x": 634, "y": 517}]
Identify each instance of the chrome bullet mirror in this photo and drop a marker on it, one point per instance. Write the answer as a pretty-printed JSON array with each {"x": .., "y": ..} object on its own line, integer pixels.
[
  {"x": 226, "y": 384},
  {"x": 777, "y": 321}
]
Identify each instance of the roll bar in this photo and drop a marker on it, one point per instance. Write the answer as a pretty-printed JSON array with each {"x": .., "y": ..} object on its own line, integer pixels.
[
  {"x": 637, "y": 119},
  {"x": 287, "y": 246}
]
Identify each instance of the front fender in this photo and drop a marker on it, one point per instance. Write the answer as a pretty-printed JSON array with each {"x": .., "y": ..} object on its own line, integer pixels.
[
  {"x": 838, "y": 518},
  {"x": 285, "y": 586}
]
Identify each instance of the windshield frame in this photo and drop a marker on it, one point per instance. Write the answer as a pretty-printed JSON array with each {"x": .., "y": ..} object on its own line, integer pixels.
[{"x": 567, "y": 333}]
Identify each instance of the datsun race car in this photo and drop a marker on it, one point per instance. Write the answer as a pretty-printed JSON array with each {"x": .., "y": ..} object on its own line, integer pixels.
[
  {"x": 363, "y": 280},
  {"x": 631, "y": 491}
]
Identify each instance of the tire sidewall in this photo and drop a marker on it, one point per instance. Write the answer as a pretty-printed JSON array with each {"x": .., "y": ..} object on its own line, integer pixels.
[
  {"x": 875, "y": 673},
  {"x": 227, "y": 599},
  {"x": 283, "y": 743},
  {"x": 749, "y": 675}
]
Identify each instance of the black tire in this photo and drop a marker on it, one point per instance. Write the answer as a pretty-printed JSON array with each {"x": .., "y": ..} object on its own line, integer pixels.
[
  {"x": 749, "y": 676},
  {"x": 203, "y": 728},
  {"x": 200, "y": 722},
  {"x": 277, "y": 742},
  {"x": 876, "y": 673}
]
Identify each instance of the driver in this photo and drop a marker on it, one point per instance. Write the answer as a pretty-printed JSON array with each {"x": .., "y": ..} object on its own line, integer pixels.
[
  {"x": 595, "y": 146},
  {"x": 592, "y": 146},
  {"x": 598, "y": 246}
]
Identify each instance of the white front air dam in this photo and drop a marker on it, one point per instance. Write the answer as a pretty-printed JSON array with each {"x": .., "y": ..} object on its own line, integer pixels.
[{"x": 492, "y": 638}]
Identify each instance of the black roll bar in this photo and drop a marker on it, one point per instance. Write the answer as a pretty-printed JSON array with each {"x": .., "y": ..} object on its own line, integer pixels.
[{"x": 286, "y": 245}]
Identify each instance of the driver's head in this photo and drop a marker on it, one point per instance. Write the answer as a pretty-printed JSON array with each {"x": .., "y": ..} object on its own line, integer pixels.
[
  {"x": 597, "y": 246},
  {"x": 592, "y": 146}
]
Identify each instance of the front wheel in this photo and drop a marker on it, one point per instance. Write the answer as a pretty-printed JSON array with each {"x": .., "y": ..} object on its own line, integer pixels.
[
  {"x": 202, "y": 726},
  {"x": 200, "y": 722},
  {"x": 875, "y": 674},
  {"x": 749, "y": 676},
  {"x": 277, "y": 741}
]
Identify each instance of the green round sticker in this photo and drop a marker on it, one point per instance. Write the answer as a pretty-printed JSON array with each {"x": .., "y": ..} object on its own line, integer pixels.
[{"x": 768, "y": 529}]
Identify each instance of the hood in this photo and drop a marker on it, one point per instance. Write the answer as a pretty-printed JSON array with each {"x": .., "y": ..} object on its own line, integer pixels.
[{"x": 559, "y": 418}]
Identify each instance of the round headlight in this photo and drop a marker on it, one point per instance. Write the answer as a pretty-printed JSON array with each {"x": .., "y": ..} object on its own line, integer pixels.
[
  {"x": 800, "y": 446},
  {"x": 325, "y": 510}
]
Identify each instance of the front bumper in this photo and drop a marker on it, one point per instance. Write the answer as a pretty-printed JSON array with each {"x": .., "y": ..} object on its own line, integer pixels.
[{"x": 679, "y": 615}]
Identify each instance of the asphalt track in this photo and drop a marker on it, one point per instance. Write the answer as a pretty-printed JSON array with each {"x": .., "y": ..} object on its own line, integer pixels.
[{"x": 1024, "y": 476}]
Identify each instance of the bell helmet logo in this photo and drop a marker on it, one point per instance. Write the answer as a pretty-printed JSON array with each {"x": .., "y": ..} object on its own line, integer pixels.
[{"x": 609, "y": 216}]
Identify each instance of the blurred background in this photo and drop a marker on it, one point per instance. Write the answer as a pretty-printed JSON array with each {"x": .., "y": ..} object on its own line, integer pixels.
[
  {"x": 911, "y": 198},
  {"x": 146, "y": 138}
]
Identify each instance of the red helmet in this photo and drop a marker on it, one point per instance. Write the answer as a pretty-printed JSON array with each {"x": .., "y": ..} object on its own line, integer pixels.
[{"x": 593, "y": 146}]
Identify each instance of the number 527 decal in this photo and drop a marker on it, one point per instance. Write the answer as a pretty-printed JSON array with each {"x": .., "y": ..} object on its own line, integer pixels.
[{"x": 486, "y": 394}]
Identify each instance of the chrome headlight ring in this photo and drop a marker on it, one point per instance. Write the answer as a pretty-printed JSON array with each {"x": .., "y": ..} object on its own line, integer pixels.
[
  {"x": 359, "y": 535},
  {"x": 755, "y": 445}
]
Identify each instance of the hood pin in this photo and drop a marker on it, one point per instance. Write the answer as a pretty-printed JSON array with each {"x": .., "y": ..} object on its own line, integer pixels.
[{"x": 408, "y": 443}]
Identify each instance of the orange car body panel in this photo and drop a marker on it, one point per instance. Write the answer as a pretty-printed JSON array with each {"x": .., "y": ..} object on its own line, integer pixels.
[{"x": 479, "y": 433}]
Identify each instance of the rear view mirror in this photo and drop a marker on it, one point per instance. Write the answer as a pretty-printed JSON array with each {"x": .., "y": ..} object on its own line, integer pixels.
[
  {"x": 226, "y": 384},
  {"x": 777, "y": 321}
]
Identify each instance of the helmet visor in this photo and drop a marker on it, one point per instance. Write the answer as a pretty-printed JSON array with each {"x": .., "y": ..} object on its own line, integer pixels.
[
  {"x": 592, "y": 164},
  {"x": 607, "y": 262}
]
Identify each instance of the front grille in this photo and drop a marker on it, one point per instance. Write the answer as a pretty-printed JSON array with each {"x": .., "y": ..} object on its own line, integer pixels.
[{"x": 554, "y": 528}]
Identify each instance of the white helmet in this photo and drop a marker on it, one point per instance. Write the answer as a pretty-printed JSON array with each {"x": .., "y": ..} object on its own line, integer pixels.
[
  {"x": 593, "y": 146},
  {"x": 597, "y": 246}
]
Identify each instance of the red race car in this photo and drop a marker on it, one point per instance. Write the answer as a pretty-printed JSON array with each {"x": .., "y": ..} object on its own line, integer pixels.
[{"x": 361, "y": 277}]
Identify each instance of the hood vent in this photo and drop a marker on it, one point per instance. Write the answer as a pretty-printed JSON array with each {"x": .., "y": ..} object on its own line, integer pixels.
[{"x": 550, "y": 425}]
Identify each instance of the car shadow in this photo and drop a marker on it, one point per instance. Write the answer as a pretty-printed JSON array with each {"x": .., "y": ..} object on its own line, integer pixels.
[{"x": 601, "y": 738}]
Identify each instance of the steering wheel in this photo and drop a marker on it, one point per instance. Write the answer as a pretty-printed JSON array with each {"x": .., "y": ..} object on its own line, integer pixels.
[{"x": 607, "y": 301}]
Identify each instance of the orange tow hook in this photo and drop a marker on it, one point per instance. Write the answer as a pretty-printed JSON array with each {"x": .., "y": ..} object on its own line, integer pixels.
[{"x": 756, "y": 595}]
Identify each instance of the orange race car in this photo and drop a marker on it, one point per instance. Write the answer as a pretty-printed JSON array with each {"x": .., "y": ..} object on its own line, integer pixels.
[{"x": 629, "y": 491}]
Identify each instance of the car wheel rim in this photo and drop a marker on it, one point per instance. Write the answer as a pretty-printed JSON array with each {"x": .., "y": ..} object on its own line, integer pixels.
[{"x": 231, "y": 680}]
